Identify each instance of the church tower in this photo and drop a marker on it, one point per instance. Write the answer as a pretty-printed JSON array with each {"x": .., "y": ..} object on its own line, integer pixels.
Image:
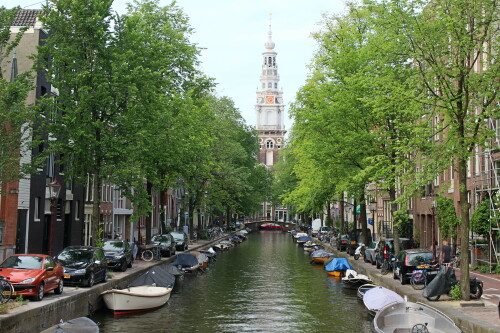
[
  {"x": 270, "y": 112},
  {"x": 270, "y": 109}
]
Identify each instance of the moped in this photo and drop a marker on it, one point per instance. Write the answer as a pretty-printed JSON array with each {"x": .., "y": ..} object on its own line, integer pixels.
[
  {"x": 444, "y": 281},
  {"x": 360, "y": 251}
]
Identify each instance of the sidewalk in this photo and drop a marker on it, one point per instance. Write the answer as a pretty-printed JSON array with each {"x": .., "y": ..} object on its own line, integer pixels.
[{"x": 478, "y": 316}]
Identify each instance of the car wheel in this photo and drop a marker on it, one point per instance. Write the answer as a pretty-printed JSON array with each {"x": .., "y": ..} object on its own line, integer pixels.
[
  {"x": 378, "y": 263},
  {"x": 185, "y": 247},
  {"x": 394, "y": 275},
  {"x": 91, "y": 280},
  {"x": 173, "y": 253},
  {"x": 123, "y": 267},
  {"x": 39, "y": 293},
  {"x": 130, "y": 263},
  {"x": 401, "y": 278},
  {"x": 60, "y": 287},
  {"x": 105, "y": 277},
  {"x": 372, "y": 261}
]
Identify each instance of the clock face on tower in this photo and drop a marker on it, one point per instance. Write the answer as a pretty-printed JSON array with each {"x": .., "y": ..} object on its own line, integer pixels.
[{"x": 269, "y": 99}]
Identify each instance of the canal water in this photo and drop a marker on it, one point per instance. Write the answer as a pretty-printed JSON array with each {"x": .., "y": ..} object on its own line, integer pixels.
[{"x": 265, "y": 284}]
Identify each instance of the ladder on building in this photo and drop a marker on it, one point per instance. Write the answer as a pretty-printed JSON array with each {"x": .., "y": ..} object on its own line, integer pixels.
[{"x": 490, "y": 183}]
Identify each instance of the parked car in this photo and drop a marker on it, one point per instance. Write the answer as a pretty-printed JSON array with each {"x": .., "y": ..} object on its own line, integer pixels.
[
  {"x": 355, "y": 237},
  {"x": 83, "y": 265},
  {"x": 342, "y": 242},
  {"x": 386, "y": 248},
  {"x": 371, "y": 252},
  {"x": 181, "y": 240},
  {"x": 166, "y": 242},
  {"x": 32, "y": 275},
  {"x": 408, "y": 260},
  {"x": 325, "y": 230},
  {"x": 118, "y": 254}
]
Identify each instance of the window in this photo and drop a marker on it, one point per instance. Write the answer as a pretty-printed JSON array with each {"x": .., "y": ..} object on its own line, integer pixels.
[
  {"x": 77, "y": 210},
  {"x": 477, "y": 161},
  {"x": 269, "y": 144},
  {"x": 269, "y": 84}
]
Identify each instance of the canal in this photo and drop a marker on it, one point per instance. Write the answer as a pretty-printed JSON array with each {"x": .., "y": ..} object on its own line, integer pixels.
[{"x": 265, "y": 284}]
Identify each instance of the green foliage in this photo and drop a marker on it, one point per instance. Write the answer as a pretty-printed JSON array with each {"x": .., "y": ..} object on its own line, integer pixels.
[
  {"x": 496, "y": 269},
  {"x": 100, "y": 239},
  {"x": 456, "y": 292},
  {"x": 447, "y": 217},
  {"x": 480, "y": 220}
]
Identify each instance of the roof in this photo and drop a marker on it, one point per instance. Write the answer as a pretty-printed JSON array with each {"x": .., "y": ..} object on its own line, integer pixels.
[{"x": 26, "y": 17}]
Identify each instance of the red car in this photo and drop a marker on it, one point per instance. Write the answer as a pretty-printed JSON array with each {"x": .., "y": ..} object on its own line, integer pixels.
[{"x": 33, "y": 274}]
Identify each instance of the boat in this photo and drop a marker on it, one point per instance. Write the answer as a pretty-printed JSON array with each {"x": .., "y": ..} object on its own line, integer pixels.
[
  {"x": 337, "y": 267},
  {"x": 76, "y": 325},
  {"x": 303, "y": 239},
  {"x": 148, "y": 291},
  {"x": 412, "y": 317},
  {"x": 364, "y": 288},
  {"x": 297, "y": 235},
  {"x": 379, "y": 297},
  {"x": 271, "y": 226},
  {"x": 202, "y": 260},
  {"x": 310, "y": 246},
  {"x": 353, "y": 280},
  {"x": 320, "y": 256},
  {"x": 186, "y": 262}
]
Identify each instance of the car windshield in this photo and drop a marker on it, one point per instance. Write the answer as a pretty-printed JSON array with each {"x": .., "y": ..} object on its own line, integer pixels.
[
  {"x": 158, "y": 238},
  {"x": 416, "y": 259},
  {"x": 177, "y": 236},
  {"x": 113, "y": 246},
  {"x": 344, "y": 237},
  {"x": 75, "y": 256},
  {"x": 23, "y": 262}
]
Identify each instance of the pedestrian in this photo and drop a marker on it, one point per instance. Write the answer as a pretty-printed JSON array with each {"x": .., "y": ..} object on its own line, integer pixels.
[{"x": 445, "y": 252}]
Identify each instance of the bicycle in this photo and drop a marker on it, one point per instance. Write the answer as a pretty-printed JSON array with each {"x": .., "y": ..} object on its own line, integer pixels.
[
  {"x": 6, "y": 290},
  {"x": 386, "y": 264},
  {"x": 419, "y": 277},
  {"x": 150, "y": 252}
]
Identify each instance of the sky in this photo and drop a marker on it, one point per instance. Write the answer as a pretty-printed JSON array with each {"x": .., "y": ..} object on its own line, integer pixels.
[{"x": 232, "y": 34}]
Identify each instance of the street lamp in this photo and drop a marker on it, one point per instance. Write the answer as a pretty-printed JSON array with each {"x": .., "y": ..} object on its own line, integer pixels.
[{"x": 54, "y": 189}]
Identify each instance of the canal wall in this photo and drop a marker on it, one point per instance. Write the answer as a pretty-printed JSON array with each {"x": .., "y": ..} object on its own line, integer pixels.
[
  {"x": 452, "y": 309},
  {"x": 38, "y": 316}
]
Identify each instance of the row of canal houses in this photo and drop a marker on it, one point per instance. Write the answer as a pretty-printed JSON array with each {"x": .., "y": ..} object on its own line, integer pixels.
[{"x": 33, "y": 222}]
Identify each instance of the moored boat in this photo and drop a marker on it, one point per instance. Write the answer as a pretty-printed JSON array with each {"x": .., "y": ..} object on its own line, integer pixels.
[
  {"x": 412, "y": 317},
  {"x": 186, "y": 262},
  {"x": 364, "y": 288},
  {"x": 202, "y": 259},
  {"x": 76, "y": 325},
  {"x": 379, "y": 297},
  {"x": 271, "y": 226},
  {"x": 353, "y": 280},
  {"x": 148, "y": 291},
  {"x": 337, "y": 267},
  {"x": 320, "y": 256},
  {"x": 303, "y": 239}
]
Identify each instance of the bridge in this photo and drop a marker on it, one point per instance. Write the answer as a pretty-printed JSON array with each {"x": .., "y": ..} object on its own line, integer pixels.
[{"x": 254, "y": 225}]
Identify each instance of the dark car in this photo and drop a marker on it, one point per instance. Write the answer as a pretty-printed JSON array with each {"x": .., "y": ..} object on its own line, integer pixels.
[
  {"x": 386, "y": 248},
  {"x": 181, "y": 240},
  {"x": 342, "y": 242},
  {"x": 118, "y": 254},
  {"x": 83, "y": 265},
  {"x": 166, "y": 242},
  {"x": 356, "y": 237},
  {"x": 408, "y": 260}
]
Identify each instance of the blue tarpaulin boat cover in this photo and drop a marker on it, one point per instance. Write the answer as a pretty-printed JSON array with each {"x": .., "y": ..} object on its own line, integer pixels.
[
  {"x": 304, "y": 239},
  {"x": 337, "y": 264}
]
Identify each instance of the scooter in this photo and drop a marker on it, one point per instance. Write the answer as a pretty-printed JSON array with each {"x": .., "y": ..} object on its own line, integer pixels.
[
  {"x": 444, "y": 281},
  {"x": 360, "y": 251}
]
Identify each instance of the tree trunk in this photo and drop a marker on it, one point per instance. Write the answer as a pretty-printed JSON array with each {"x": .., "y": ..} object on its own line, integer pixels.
[
  {"x": 342, "y": 215},
  {"x": 394, "y": 209},
  {"x": 97, "y": 230},
  {"x": 464, "y": 229},
  {"x": 149, "y": 217},
  {"x": 362, "y": 218}
]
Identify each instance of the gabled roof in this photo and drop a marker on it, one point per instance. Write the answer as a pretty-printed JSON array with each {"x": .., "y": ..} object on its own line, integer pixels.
[{"x": 26, "y": 17}]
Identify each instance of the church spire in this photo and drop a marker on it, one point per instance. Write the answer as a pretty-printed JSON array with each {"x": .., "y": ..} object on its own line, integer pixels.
[{"x": 269, "y": 43}]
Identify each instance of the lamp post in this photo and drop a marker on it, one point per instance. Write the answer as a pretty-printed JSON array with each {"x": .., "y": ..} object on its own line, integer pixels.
[{"x": 54, "y": 189}]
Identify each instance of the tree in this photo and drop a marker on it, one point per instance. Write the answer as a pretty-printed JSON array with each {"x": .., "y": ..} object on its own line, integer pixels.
[
  {"x": 454, "y": 44},
  {"x": 447, "y": 217},
  {"x": 16, "y": 118}
]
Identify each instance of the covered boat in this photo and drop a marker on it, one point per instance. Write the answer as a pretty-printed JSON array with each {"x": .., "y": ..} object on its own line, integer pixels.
[
  {"x": 412, "y": 317},
  {"x": 379, "y": 297},
  {"x": 320, "y": 256},
  {"x": 148, "y": 291},
  {"x": 202, "y": 260},
  {"x": 353, "y": 280},
  {"x": 271, "y": 226},
  {"x": 303, "y": 239},
  {"x": 337, "y": 267},
  {"x": 186, "y": 262},
  {"x": 76, "y": 325}
]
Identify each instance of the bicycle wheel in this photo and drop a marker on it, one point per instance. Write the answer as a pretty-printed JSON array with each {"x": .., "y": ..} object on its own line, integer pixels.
[
  {"x": 385, "y": 268},
  {"x": 6, "y": 291},
  {"x": 418, "y": 281},
  {"x": 147, "y": 255}
]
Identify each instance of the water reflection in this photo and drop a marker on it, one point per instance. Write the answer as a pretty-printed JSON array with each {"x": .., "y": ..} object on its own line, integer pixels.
[{"x": 265, "y": 284}]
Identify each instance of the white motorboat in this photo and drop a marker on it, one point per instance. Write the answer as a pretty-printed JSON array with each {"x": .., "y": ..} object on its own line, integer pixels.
[
  {"x": 136, "y": 299},
  {"x": 412, "y": 317},
  {"x": 353, "y": 280}
]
